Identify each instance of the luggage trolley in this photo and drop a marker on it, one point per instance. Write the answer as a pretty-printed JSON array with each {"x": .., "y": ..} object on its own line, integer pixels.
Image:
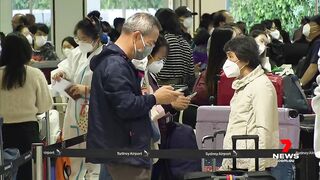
[{"x": 48, "y": 137}]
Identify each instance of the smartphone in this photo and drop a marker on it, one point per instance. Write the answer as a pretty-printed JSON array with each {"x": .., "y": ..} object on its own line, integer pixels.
[
  {"x": 182, "y": 89},
  {"x": 192, "y": 95}
]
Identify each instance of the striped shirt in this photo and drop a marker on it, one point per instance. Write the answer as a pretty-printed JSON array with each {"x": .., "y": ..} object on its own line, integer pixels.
[{"x": 179, "y": 62}]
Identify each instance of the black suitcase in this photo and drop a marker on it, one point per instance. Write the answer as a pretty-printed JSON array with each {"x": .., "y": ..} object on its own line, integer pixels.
[
  {"x": 307, "y": 167},
  {"x": 236, "y": 174}
]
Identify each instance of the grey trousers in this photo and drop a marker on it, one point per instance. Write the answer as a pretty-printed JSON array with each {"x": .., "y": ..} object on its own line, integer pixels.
[{"x": 126, "y": 172}]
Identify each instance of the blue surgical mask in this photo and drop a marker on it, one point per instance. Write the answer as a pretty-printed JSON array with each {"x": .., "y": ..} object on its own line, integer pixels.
[{"x": 139, "y": 55}]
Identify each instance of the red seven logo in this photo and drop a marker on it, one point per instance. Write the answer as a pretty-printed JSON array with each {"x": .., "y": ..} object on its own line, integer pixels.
[{"x": 287, "y": 145}]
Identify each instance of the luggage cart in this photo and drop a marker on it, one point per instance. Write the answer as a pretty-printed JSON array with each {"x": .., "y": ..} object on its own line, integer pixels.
[{"x": 48, "y": 136}]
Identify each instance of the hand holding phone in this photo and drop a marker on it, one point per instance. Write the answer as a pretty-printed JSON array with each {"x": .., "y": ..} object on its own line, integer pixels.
[
  {"x": 166, "y": 95},
  {"x": 182, "y": 89},
  {"x": 192, "y": 95}
]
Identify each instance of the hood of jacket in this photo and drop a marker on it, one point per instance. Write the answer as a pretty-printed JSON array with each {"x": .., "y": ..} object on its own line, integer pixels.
[{"x": 110, "y": 49}]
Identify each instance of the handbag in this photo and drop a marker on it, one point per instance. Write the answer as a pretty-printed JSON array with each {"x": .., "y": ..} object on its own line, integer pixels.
[{"x": 84, "y": 111}]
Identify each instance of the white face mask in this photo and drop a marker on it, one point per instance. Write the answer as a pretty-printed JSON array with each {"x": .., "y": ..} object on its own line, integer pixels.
[
  {"x": 275, "y": 34},
  {"x": 67, "y": 52},
  {"x": 306, "y": 30},
  {"x": 231, "y": 69},
  {"x": 187, "y": 22},
  {"x": 29, "y": 38},
  {"x": 41, "y": 40},
  {"x": 85, "y": 47},
  {"x": 140, "y": 64},
  {"x": 156, "y": 66},
  {"x": 262, "y": 48}
]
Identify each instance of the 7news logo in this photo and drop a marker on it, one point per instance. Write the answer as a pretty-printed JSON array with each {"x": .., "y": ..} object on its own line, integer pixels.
[{"x": 285, "y": 156}]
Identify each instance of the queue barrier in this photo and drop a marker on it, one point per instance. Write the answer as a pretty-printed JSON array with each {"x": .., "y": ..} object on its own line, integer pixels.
[{"x": 39, "y": 151}]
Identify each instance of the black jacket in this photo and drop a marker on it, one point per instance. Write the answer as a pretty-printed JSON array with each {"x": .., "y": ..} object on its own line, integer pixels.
[{"x": 118, "y": 113}]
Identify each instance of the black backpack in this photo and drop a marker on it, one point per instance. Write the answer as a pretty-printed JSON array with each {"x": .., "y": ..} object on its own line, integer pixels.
[
  {"x": 179, "y": 136},
  {"x": 293, "y": 94}
]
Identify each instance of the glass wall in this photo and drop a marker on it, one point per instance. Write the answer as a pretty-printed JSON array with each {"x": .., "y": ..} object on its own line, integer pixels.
[
  {"x": 41, "y": 9},
  {"x": 110, "y": 9}
]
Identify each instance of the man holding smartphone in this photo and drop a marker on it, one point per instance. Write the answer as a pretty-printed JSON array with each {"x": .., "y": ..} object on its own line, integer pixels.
[{"x": 119, "y": 113}]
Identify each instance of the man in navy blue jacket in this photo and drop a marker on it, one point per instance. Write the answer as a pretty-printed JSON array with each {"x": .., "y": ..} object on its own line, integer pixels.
[{"x": 119, "y": 113}]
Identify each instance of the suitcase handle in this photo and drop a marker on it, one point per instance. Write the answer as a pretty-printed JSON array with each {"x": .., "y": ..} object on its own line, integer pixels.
[
  {"x": 235, "y": 173},
  {"x": 293, "y": 113},
  {"x": 211, "y": 100},
  {"x": 223, "y": 132},
  {"x": 245, "y": 137}
]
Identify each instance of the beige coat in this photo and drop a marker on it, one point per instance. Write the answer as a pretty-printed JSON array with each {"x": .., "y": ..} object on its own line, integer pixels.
[{"x": 253, "y": 112}]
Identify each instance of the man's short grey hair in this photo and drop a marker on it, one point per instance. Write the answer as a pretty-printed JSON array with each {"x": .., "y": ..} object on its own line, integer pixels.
[{"x": 143, "y": 22}]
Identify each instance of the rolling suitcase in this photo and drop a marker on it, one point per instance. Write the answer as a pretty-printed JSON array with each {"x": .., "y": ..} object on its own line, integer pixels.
[
  {"x": 255, "y": 175},
  {"x": 234, "y": 174},
  {"x": 211, "y": 164},
  {"x": 211, "y": 119},
  {"x": 307, "y": 168},
  {"x": 225, "y": 92}
]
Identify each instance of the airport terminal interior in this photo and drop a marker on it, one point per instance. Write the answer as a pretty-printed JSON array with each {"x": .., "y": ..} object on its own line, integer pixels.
[{"x": 159, "y": 89}]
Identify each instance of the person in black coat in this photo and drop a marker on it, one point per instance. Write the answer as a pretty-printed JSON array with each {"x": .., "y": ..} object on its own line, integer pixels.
[{"x": 119, "y": 113}]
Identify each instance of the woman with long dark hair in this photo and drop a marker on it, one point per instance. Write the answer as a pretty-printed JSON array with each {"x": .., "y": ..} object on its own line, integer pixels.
[
  {"x": 24, "y": 93},
  {"x": 205, "y": 85},
  {"x": 217, "y": 56}
]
